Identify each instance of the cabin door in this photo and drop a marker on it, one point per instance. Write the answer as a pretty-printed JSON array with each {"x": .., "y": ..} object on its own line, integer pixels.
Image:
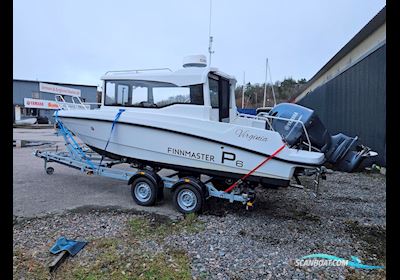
[
  {"x": 223, "y": 100},
  {"x": 219, "y": 97}
]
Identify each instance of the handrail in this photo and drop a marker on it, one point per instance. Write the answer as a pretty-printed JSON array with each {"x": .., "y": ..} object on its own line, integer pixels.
[
  {"x": 136, "y": 70},
  {"x": 265, "y": 117},
  {"x": 92, "y": 103},
  {"x": 75, "y": 104}
]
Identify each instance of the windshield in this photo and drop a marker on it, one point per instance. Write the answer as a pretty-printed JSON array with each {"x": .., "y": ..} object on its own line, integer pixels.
[{"x": 151, "y": 94}]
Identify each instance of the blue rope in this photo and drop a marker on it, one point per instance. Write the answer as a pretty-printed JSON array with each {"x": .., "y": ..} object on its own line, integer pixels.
[
  {"x": 113, "y": 124},
  {"x": 112, "y": 128}
]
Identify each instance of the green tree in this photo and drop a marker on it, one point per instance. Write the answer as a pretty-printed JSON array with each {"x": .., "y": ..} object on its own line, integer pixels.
[
  {"x": 302, "y": 81},
  {"x": 254, "y": 93}
]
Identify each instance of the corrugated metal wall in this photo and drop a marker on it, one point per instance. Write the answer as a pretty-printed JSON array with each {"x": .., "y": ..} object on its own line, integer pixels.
[
  {"x": 25, "y": 89},
  {"x": 354, "y": 102}
]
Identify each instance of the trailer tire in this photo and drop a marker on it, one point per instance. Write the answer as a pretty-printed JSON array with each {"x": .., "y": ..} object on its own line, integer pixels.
[
  {"x": 188, "y": 199},
  {"x": 49, "y": 170},
  {"x": 144, "y": 191}
]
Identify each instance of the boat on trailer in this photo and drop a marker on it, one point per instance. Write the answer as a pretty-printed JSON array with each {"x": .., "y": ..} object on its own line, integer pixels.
[
  {"x": 26, "y": 121},
  {"x": 188, "y": 121}
]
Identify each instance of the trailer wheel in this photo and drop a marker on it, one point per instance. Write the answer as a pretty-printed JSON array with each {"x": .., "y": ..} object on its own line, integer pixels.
[
  {"x": 49, "y": 170},
  {"x": 144, "y": 191},
  {"x": 188, "y": 199}
]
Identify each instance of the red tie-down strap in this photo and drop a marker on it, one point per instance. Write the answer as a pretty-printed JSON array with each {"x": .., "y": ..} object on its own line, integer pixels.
[{"x": 255, "y": 168}]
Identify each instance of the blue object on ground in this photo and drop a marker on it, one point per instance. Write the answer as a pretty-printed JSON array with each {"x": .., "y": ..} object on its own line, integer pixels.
[{"x": 71, "y": 246}]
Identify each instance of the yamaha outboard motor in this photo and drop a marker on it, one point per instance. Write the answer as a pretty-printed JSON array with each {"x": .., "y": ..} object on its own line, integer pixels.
[{"x": 340, "y": 150}]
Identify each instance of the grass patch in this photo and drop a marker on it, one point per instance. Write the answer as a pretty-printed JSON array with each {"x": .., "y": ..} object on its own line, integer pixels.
[
  {"x": 105, "y": 243},
  {"x": 191, "y": 224},
  {"x": 118, "y": 258},
  {"x": 24, "y": 264},
  {"x": 356, "y": 274},
  {"x": 112, "y": 264},
  {"x": 108, "y": 259},
  {"x": 146, "y": 228},
  {"x": 373, "y": 244},
  {"x": 374, "y": 237},
  {"x": 172, "y": 265}
]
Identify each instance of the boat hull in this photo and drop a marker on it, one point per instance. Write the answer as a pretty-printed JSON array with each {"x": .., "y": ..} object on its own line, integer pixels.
[
  {"x": 177, "y": 150},
  {"x": 28, "y": 121}
]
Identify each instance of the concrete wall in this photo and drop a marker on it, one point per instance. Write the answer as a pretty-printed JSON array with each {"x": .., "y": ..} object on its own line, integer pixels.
[{"x": 25, "y": 89}]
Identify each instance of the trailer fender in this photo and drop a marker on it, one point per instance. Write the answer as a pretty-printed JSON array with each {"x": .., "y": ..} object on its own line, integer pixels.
[
  {"x": 152, "y": 176},
  {"x": 194, "y": 182}
]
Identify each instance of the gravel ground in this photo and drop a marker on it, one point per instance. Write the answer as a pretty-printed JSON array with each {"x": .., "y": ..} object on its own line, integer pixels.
[{"x": 348, "y": 219}]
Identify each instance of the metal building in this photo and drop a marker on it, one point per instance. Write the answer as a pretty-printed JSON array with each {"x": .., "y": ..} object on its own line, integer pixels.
[
  {"x": 349, "y": 92},
  {"x": 37, "y": 98}
]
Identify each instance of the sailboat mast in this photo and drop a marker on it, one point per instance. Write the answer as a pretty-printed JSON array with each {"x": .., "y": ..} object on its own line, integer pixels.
[
  {"x": 244, "y": 84},
  {"x": 272, "y": 85},
  {"x": 265, "y": 83}
]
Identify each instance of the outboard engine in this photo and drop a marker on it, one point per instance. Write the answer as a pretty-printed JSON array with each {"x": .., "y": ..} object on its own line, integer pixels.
[{"x": 340, "y": 150}]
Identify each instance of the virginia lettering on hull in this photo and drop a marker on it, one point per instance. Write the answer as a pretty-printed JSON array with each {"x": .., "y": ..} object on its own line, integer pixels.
[{"x": 246, "y": 134}]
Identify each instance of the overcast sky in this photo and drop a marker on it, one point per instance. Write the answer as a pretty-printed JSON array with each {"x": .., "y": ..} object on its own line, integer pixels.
[{"x": 78, "y": 41}]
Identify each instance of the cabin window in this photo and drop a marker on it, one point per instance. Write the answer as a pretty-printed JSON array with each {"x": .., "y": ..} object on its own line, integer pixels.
[
  {"x": 196, "y": 94},
  {"x": 169, "y": 95},
  {"x": 122, "y": 94},
  {"x": 151, "y": 94},
  {"x": 139, "y": 94},
  {"x": 213, "y": 88},
  {"x": 110, "y": 93}
]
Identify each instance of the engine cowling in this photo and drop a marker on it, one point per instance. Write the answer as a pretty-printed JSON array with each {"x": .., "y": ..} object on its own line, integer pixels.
[{"x": 342, "y": 151}]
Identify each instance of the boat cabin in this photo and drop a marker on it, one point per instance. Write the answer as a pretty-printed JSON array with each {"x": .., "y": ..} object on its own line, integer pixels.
[{"x": 196, "y": 90}]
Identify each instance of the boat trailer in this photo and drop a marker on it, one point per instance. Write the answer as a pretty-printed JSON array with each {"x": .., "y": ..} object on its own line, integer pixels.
[
  {"x": 147, "y": 186},
  {"x": 189, "y": 193}
]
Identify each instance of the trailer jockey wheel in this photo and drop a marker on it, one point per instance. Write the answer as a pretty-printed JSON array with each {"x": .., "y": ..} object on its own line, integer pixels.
[
  {"x": 188, "y": 199},
  {"x": 250, "y": 205},
  {"x": 144, "y": 191},
  {"x": 250, "y": 202},
  {"x": 49, "y": 170}
]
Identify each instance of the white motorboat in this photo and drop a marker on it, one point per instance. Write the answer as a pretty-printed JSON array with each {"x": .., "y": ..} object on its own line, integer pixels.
[
  {"x": 187, "y": 121},
  {"x": 26, "y": 121}
]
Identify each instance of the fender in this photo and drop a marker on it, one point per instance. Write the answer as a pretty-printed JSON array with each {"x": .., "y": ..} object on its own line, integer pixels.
[
  {"x": 152, "y": 176},
  {"x": 194, "y": 182}
]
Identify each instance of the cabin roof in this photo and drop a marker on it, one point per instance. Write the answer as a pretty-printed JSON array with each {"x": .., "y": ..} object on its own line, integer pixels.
[{"x": 181, "y": 77}]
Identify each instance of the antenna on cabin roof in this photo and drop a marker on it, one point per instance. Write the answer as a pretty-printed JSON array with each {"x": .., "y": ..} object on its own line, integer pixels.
[{"x": 210, "y": 51}]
